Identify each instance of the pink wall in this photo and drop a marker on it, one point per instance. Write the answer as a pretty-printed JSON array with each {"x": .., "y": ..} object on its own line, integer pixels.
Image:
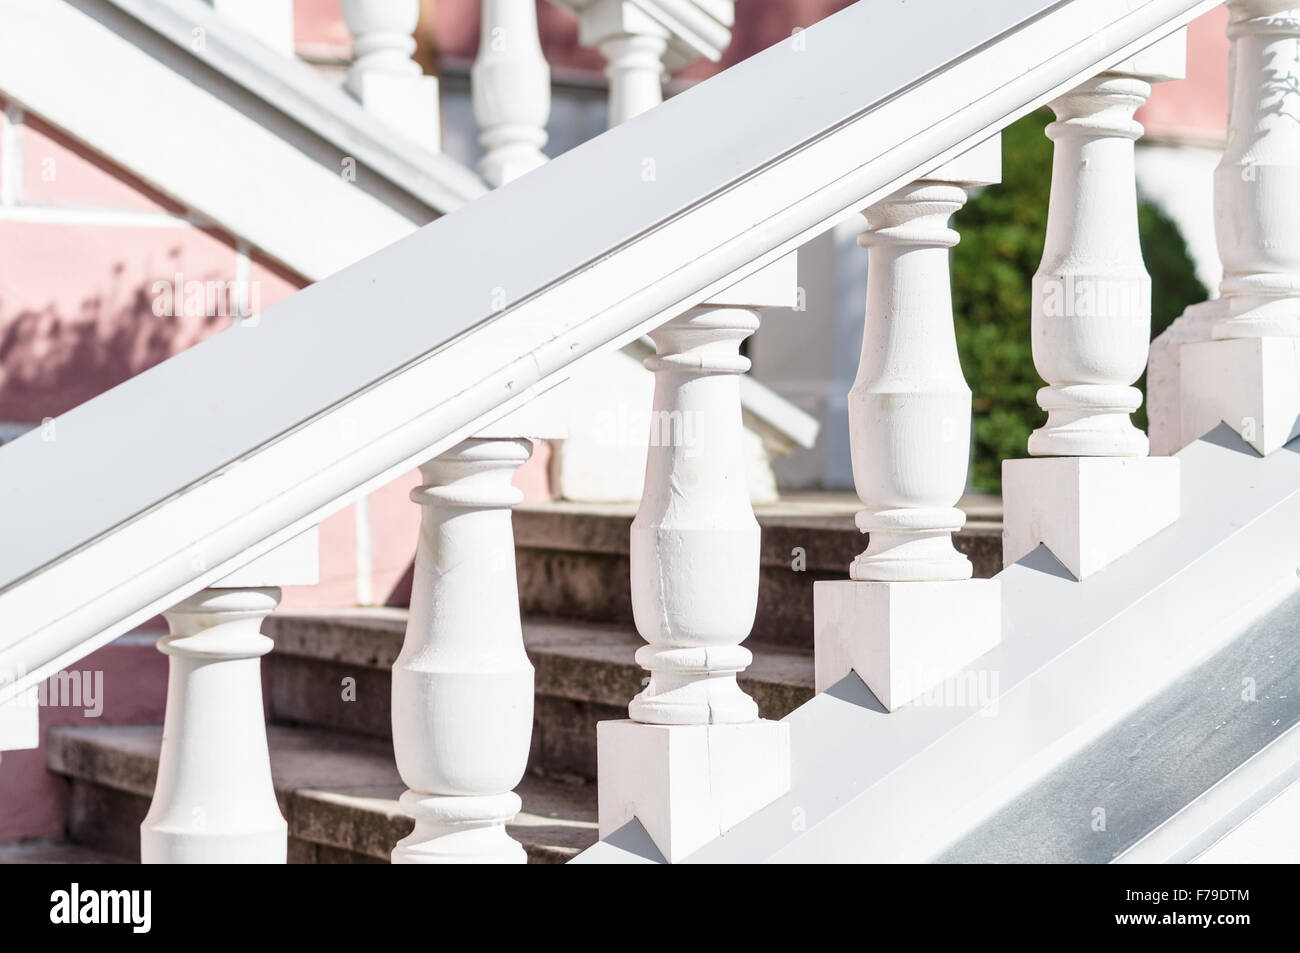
[
  {"x": 1195, "y": 108},
  {"x": 83, "y": 245}
]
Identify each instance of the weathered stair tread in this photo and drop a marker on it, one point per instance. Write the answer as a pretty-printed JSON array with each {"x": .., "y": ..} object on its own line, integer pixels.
[
  {"x": 54, "y": 852},
  {"x": 580, "y": 661},
  {"x": 336, "y": 790},
  {"x": 572, "y": 558}
]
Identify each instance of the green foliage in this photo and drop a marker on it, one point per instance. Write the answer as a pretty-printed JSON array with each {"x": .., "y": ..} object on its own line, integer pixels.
[{"x": 1002, "y": 232}]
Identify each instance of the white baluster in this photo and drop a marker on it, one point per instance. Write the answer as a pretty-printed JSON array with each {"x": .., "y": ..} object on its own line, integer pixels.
[
  {"x": 1257, "y": 182},
  {"x": 214, "y": 801},
  {"x": 383, "y": 77},
  {"x": 1093, "y": 494},
  {"x": 642, "y": 39},
  {"x": 1237, "y": 359},
  {"x": 910, "y": 615},
  {"x": 462, "y": 685},
  {"x": 634, "y": 65},
  {"x": 696, "y": 758},
  {"x": 511, "y": 87}
]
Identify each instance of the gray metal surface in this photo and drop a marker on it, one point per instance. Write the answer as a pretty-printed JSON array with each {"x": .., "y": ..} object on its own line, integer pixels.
[
  {"x": 1158, "y": 760},
  {"x": 177, "y": 424}
]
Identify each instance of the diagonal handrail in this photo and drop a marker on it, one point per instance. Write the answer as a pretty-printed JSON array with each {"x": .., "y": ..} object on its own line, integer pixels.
[{"x": 172, "y": 479}]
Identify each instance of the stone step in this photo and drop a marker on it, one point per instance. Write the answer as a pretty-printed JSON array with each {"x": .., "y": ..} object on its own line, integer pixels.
[
  {"x": 338, "y": 792},
  {"x": 573, "y": 558},
  {"x": 585, "y": 673},
  {"x": 54, "y": 852}
]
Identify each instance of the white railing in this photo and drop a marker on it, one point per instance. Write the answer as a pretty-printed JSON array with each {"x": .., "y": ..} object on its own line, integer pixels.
[{"x": 689, "y": 257}]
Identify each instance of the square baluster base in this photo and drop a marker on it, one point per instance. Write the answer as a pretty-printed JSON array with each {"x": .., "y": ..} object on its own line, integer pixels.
[
  {"x": 902, "y": 638},
  {"x": 1251, "y": 384},
  {"x": 688, "y": 784},
  {"x": 1088, "y": 511}
]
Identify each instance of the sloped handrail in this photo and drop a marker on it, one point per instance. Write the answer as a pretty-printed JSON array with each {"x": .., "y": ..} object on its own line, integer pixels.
[{"x": 169, "y": 481}]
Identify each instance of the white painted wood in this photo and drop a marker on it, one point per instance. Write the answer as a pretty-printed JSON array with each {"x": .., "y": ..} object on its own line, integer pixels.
[
  {"x": 1091, "y": 294},
  {"x": 1088, "y": 511},
  {"x": 463, "y": 685},
  {"x": 902, "y": 638},
  {"x": 511, "y": 86},
  {"x": 1257, "y": 183},
  {"x": 214, "y": 801},
  {"x": 271, "y": 21},
  {"x": 910, "y": 407},
  {"x": 274, "y": 459},
  {"x": 693, "y": 28},
  {"x": 688, "y": 784},
  {"x": 1253, "y": 388},
  {"x": 383, "y": 78}
]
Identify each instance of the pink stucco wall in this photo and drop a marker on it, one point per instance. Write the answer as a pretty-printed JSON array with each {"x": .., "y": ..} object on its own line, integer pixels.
[{"x": 83, "y": 245}]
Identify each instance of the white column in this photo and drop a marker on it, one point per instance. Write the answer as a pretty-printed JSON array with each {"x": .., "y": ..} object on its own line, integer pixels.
[
  {"x": 462, "y": 685},
  {"x": 1238, "y": 358},
  {"x": 214, "y": 801},
  {"x": 634, "y": 65},
  {"x": 1092, "y": 494},
  {"x": 511, "y": 87},
  {"x": 695, "y": 757},
  {"x": 383, "y": 77},
  {"x": 910, "y": 615}
]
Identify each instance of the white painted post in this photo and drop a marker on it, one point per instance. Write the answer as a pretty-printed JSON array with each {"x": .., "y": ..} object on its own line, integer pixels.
[
  {"x": 1091, "y": 493},
  {"x": 1237, "y": 359},
  {"x": 510, "y": 83},
  {"x": 214, "y": 801},
  {"x": 909, "y": 615},
  {"x": 462, "y": 685},
  {"x": 383, "y": 77},
  {"x": 695, "y": 757}
]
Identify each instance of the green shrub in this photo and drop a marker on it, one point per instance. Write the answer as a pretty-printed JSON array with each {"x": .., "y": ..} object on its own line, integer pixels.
[{"x": 1001, "y": 244}]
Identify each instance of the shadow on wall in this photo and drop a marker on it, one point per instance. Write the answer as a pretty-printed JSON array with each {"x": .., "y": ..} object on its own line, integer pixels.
[{"x": 52, "y": 361}]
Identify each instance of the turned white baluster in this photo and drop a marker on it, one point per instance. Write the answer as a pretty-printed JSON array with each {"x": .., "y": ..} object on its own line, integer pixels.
[
  {"x": 462, "y": 685},
  {"x": 634, "y": 65},
  {"x": 1236, "y": 359},
  {"x": 214, "y": 802},
  {"x": 1092, "y": 294},
  {"x": 1257, "y": 182},
  {"x": 383, "y": 77},
  {"x": 642, "y": 39},
  {"x": 694, "y": 548},
  {"x": 1091, "y": 493},
  {"x": 694, "y": 570},
  {"x": 511, "y": 87},
  {"x": 909, "y": 408},
  {"x": 910, "y": 614}
]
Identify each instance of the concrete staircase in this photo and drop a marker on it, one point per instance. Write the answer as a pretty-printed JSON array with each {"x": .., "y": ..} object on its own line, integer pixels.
[{"x": 327, "y": 687}]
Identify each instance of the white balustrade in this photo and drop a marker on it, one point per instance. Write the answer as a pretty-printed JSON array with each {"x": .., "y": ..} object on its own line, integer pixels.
[
  {"x": 910, "y": 615},
  {"x": 383, "y": 77},
  {"x": 1236, "y": 359},
  {"x": 511, "y": 88},
  {"x": 462, "y": 685},
  {"x": 1092, "y": 494},
  {"x": 214, "y": 801},
  {"x": 695, "y": 757}
]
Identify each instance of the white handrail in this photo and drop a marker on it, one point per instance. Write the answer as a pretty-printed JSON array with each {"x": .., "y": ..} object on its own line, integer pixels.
[{"x": 169, "y": 481}]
